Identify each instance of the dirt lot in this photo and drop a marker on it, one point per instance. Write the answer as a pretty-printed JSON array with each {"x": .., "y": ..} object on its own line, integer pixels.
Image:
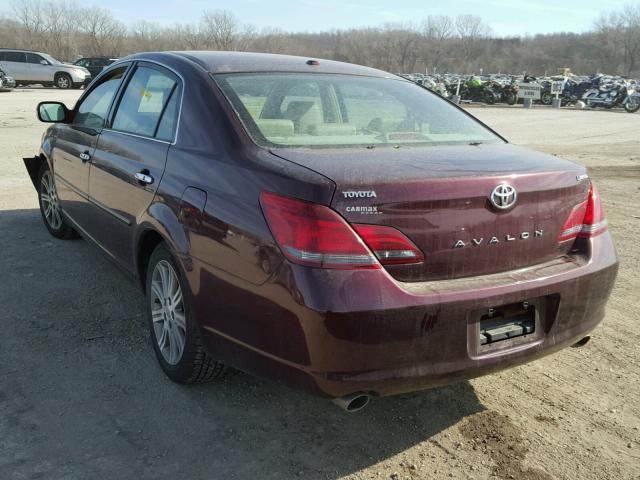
[{"x": 81, "y": 396}]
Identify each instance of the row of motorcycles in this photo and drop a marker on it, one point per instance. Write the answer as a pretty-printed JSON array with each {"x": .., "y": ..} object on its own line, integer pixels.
[{"x": 596, "y": 91}]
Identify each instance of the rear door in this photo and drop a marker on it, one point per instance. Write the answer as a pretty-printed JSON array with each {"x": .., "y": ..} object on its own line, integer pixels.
[
  {"x": 15, "y": 65},
  {"x": 130, "y": 157},
  {"x": 75, "y": 144}
]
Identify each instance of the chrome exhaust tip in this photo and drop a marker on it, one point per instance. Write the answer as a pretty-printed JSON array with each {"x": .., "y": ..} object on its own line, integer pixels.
[{"x": 353, "y": 403}]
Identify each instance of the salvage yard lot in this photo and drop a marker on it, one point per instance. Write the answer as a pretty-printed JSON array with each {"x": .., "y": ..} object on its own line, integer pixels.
[{"x": 81, "y": 395}]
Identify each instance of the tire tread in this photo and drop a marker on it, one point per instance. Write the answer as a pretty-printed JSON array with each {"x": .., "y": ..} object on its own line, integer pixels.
[{"x": 199, "y": 366}]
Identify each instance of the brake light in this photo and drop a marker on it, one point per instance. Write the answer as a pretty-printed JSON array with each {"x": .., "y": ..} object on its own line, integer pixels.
[
  {"x": 314, "y": 235},
  {"x": 389, "y": 245},
  {"x": 586, "y": 220}
]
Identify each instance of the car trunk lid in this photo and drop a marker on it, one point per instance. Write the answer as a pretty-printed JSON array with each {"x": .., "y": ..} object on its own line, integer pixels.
[{"x": 439, "y": 198}]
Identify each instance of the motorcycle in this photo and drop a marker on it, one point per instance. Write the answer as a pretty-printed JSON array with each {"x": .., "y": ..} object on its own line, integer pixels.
[
  {"x": 510, "y": 93},
  {"x": 476, "y": 91},
  {"x": 573, "y": 91},
  {"x": 611, "y": 95},
  {"x": 632, "y": 102}
]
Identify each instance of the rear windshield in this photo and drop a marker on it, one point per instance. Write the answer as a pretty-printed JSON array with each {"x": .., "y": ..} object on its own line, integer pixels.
[{"x": 325, "y": 110}]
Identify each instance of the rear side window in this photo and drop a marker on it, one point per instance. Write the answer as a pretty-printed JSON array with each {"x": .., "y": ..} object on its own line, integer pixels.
[
  {"x": 169, "y": 121},
  {"x": 144, "y": 101},
  {"x": 13, "y": 57}
]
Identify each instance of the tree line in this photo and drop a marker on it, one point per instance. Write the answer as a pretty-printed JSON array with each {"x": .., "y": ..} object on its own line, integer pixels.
[{"x": 438, "y": 44}]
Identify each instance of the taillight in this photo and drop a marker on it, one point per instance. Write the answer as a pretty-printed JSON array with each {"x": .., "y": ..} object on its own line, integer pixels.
[
  {"x": 389, "y": 245},
  {"x": 314, "y": 235},
  {"x": 586, "y": 219}
]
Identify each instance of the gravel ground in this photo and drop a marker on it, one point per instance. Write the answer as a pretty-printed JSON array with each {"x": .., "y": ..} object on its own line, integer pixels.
[{"x": 81, "y": 395}]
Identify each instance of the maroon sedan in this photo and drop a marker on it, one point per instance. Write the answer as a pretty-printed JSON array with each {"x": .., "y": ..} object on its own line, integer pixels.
[{"x": 328, "y": 225}]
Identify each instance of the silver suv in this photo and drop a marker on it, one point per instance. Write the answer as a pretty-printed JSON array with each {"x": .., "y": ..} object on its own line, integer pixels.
[{"x": 28, "y": 67}]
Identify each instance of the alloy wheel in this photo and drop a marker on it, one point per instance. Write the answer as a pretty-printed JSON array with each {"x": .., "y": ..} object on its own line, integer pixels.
[
  {"x": 167, "y": 312},
  {"x": 63, "y": 81},
  {"x": 49, "y": 201}
]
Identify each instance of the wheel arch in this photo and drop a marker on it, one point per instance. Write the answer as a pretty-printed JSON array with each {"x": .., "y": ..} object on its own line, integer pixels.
[
  {"x": 148, "y": 241},
  {"x": 160, "y": 225}
]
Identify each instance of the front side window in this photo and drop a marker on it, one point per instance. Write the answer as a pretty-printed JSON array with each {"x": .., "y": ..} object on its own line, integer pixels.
[
  {"x": 93, "y": 110},
  {"x": 327, "y": 110},
  {"x": 144, "y": 101},
  {"x": 33, "y": 58}
]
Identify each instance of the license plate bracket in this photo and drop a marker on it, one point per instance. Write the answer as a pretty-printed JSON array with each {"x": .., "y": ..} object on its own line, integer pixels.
[{"x": 507, "y": 322}]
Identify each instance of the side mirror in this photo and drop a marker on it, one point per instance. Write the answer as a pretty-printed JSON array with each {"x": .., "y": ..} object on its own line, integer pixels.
[
  {"x": 44, "y": 62},
  {"x": 52, "y": 112}
]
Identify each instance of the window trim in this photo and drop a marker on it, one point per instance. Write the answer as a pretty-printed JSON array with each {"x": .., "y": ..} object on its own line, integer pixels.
[
  {"x": 156, "y": 66},
  {"x": 256, "y": 137},
  {"x": 95, "y": 85},
  {"x": 35, "y": 55},
  {"x": 24, "y": 54}
]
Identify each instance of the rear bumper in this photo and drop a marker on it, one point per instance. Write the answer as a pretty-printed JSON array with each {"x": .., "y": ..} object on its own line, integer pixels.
[{"x": 337, "y": 332}]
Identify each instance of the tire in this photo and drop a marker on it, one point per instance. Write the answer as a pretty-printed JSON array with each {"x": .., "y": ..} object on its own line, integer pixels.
[
  {"x": 171, "y": 322},
  {"x": 50, "y": 207},
  {"x": 546, "y": 98},
  {"x": 511, "y": 98},
  {"x": 63, "y": 81},
  {"x": 489, "y": 98},
  {"x": 632, "y": 105}
]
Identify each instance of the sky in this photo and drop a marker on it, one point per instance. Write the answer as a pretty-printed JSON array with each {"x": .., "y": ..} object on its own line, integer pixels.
[{"x": 506, "y": 17}]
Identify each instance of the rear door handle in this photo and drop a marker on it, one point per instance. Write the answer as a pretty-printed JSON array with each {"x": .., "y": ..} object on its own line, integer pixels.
[
  {"x": 85, "y": 156},
  {"x": 144, "y": 177}
]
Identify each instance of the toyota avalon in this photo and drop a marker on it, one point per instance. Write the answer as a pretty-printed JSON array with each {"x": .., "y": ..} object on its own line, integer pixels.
[{"x": 332, "y": 226}]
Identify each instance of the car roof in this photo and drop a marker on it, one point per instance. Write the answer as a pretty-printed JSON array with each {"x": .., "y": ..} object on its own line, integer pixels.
[
  {"x": 236, "y": 62},
  {"x": 21, "y": 50}
]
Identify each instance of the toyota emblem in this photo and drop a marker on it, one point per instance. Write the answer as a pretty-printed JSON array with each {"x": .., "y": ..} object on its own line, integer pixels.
[{"x": 503, "y": 196}]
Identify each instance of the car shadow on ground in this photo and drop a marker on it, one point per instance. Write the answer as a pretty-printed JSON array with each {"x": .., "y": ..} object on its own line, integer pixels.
[{"x": 82, "y": 395}]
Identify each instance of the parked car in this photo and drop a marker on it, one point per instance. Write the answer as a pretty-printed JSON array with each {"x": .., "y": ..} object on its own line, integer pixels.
[
  {"x": 28, "y": 67},
  {"x": 329, "y": 225},
  {"x": 95, "y": 65},
  {"x": 6, "y": 82}
]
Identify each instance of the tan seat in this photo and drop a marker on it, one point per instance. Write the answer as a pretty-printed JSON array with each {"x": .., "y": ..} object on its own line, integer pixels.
[
  {"x": 332, "y": 129},
  {"x": 304, "y": 114},
  {"x": 275, "y": 127}
]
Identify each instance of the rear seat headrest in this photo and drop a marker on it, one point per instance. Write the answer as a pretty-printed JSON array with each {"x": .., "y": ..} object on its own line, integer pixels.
[
  {"x": 333, "y": 129},
  {"x": 275, "y": 127}
]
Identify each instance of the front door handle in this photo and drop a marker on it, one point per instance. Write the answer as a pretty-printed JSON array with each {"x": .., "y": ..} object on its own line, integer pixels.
[
  {"x": 85, "y": 156},
  {"x": 144, "y": 177}
]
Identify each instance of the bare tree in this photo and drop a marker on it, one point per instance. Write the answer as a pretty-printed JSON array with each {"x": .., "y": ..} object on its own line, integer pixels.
[
  {"x": 188, "y": 37},
  {"x": 30, "y": 15},
  {"x": 104, "y": 32},
  {"x": 220, "y": 28},
  {"x": 61, "y": 27},
  {"x": 147, "y": 36},
  {"x": 471, "y": 32},
  {"x": 437, "y": 31},
  {"x": 460, "y": 44},
  {"x": 620, "y": 35}
]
